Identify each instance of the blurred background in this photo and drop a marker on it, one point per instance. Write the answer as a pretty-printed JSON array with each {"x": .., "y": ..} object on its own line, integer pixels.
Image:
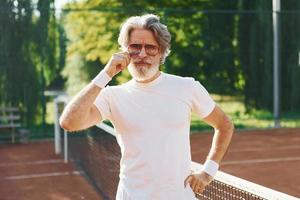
[
  {"x": 245, "y": 53},
  {"x": 48, "y": 48}
]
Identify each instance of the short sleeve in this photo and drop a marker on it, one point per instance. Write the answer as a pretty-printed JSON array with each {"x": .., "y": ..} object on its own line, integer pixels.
[
  {"x": 102, "y": 102},
  {"x": 202, "y": 103}
]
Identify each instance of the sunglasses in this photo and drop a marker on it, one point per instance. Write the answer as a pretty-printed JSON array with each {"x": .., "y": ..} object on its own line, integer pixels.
[{"x": 135, "y": 49}]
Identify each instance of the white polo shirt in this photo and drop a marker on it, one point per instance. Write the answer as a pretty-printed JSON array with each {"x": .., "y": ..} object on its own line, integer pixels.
[{"x": 152, "y": 123}]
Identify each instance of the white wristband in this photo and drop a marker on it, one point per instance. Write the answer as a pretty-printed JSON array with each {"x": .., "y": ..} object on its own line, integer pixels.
[
  {"x": 210, "y": 167},
  {"x": 101, "y": 79}
]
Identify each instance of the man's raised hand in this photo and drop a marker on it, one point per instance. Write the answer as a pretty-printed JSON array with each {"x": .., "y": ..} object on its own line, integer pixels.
[{"x": 118, "y": 62}]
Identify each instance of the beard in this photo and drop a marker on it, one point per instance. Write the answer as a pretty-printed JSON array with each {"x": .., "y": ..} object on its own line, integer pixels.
[{"x": 142, "y": 72}]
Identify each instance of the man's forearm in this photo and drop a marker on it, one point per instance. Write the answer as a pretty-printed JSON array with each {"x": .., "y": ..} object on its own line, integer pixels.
[
  {"x": 79, "y": 113},
  {"x": 221, "y": 141},
  {"x": 77, "y": 110}
]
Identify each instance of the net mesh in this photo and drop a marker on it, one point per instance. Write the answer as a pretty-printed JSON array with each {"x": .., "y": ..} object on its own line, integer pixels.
[
  {"x": 222, "y": 191},
  {"x": 97, "y": 155}
]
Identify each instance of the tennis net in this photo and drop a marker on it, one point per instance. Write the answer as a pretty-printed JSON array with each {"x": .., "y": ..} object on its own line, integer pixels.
[{"x": 96, "y": 153}]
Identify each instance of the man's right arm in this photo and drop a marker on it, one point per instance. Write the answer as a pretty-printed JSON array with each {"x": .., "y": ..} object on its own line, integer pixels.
[{"x": 81, "y": 113}]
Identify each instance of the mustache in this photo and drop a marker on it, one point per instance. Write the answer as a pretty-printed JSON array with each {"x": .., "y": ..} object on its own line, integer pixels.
[{"x": 141, "y": 61}]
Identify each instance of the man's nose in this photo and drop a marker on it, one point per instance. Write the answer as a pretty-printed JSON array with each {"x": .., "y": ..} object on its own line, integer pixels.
[{"x": 143, "y": 54}]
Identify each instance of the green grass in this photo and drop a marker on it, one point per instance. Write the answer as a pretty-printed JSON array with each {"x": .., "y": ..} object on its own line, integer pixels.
[{"x": 256, "y": 119}]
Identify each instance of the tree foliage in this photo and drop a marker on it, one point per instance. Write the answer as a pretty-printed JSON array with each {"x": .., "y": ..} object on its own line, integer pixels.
[
  {"x": 28, "y": 55},
  {"x": 227, "y": 45},
  {"x": 256, "y": 55},
  {"x": 92, "y": 31},
  {"x": 290, "y": 55}
]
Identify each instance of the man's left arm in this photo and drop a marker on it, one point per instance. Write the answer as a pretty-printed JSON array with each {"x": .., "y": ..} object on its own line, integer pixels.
[
  {"x": 223, "y": 128},
  {"x": 223, "y": 131}
]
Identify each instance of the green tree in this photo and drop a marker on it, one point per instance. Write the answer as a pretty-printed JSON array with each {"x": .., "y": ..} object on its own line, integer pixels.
[
  {"x": 28, "y": 55},
  {"x": 290, "y": 55},
  {"x": 19, "y": 80},
  {"x": 92, "y": 29},
  {"x": 227, "y": 45},
  {"x": 90, "y": 42},
  {"x": 256, "y": 54}
]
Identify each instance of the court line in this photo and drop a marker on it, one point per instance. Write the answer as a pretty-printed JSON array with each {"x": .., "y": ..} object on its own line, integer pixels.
[
  {"x": 275, "y": 148},
  {"x": 36, "y": 162},
  {"x": 254, "y": 161},
  {"x": 29, "y": 176},
  {"x": 255, "y": 149}
]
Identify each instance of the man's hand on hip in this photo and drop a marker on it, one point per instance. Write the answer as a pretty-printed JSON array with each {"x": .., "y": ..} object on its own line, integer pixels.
[{"x": 198, "y": 182}]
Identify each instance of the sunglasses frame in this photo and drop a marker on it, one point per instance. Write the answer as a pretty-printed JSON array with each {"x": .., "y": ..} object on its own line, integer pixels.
[{"x": 139, "y": 49}]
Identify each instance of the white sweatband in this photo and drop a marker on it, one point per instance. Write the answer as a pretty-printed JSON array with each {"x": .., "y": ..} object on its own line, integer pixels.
[
  {"x": 101, "y": 79},
  {"x": 210, "y": 167}
]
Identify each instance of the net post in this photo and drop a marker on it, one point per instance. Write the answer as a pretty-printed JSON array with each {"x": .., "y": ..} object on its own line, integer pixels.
[
  {"x": 276, "y": 60},
  {"x": 65, "y": 142},
  {"x": 299, "y": 59},
  {"x": 65, "y": 146},
  {"x": 57, "y": 138}
]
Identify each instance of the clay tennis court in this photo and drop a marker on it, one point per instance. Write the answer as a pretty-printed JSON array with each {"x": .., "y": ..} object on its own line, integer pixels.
[
  {"x": 269, "y": 157},
  {"x": 33, "y": 171}
]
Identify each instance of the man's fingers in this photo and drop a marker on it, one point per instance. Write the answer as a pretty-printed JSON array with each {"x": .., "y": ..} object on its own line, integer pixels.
[
  {"x": 187, "y": 180},
  {"x": 200, "y": 188},
  {"x": 127, "y": 57},
  {"x": 193, "y": 183},
  {"x": 196, "y": 183},
  {"x": 123, "y": 60},
  {"x": 197, "y": 186},
  {"x": 118, "y": 62},
  {"x": 124, "y": 64},
  {"x": 123, "y": 55}
]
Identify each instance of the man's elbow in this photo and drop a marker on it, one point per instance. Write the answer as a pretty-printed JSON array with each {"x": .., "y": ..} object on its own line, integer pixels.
[
  {"x": 228, "y": 126},
  {"x": 66, "y": 124},
  {"x": 231, "y": 129}
]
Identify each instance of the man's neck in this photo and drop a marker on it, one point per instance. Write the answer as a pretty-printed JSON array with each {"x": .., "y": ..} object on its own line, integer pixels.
[{"x": 151, "y": 79}]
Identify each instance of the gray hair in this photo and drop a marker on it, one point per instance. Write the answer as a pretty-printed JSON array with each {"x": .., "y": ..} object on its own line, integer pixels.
[{"x": 150, "y": 22}]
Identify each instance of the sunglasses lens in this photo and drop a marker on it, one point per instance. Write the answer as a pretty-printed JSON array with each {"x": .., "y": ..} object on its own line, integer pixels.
[
  {"x": 151, "y": 50},
  {"x": 135, "y": 47}
]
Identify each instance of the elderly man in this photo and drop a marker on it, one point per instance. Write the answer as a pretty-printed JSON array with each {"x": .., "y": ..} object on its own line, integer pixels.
[{"x": 151, "y": 116}]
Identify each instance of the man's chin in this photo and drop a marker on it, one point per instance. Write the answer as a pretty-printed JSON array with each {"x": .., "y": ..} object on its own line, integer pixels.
[
  {"x": 142, "y": 72},
  {"x": 138, "y": 76}
]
